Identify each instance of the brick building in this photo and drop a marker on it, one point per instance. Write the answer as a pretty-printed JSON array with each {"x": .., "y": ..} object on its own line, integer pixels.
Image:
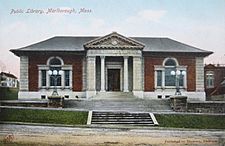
[
  {"x": 214, "y": 79},
  {"x": 112, "y": 63}
]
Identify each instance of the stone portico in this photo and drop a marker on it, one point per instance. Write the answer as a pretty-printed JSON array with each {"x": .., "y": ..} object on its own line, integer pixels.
[{"x": 115, "y": 53}]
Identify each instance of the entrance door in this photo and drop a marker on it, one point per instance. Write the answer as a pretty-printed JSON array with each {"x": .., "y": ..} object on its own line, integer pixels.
[{"x": 114, "y": 79}]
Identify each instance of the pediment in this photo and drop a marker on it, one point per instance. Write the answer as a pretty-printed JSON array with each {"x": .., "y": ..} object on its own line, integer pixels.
[{"x": 113, "y": 40}]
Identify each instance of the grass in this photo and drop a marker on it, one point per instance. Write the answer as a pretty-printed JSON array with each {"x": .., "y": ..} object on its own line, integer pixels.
[
  {"x": 191, "y": 121},
  {"x": 44, "y": 116}
]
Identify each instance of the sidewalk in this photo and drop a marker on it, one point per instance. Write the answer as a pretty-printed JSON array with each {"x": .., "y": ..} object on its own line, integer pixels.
[{"x": 99, "y": 136}]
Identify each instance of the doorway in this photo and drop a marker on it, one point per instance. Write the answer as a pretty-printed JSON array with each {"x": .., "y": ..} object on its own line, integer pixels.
[{"x": 113, "y": 79}]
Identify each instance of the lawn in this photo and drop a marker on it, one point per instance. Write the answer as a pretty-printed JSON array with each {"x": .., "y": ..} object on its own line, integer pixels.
[
  {"x": 44, "y": 116},
  {"x": 191, "y": 121}
]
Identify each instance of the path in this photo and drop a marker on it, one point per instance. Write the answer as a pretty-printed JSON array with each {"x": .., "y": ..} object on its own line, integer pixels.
[{"x": 96, "y": 136}]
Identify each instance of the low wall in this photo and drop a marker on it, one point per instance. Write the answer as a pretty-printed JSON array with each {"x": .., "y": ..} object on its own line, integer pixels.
[
  {"x": 24, "y": 103},
  {"x": 206, "y": 107}
]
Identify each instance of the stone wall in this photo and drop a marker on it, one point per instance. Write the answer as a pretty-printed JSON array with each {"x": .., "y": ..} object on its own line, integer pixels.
[
  {"x": 180, "y": 104},
  {"x": 207, "y": 107}
]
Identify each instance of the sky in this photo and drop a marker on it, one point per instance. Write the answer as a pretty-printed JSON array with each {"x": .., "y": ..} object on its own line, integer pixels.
[{"x": 199, "y": 23}]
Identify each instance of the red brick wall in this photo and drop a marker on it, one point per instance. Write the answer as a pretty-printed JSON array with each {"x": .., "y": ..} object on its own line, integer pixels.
[
  {"x": 69, "y": 59},
  {"x": 219, "y": 75},
  {"x": 150, "y": 61}
]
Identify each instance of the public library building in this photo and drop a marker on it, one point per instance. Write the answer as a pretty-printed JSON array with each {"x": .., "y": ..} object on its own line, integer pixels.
[{"x": 88, "y": 66}]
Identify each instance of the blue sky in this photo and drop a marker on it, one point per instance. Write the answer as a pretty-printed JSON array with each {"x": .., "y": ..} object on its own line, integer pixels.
[{"x": 199, "y": 23}]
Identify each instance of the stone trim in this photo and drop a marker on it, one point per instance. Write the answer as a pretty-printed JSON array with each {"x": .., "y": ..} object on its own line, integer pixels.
[
  {"x": 199, "y": 74},
  {"x": 24, "y": 61},
  {"x": 115, "y": 52},
  {"x": 89, "y": 117},
  {"x": 91, "y": 76},
  {"x": 111, "y": 41}
]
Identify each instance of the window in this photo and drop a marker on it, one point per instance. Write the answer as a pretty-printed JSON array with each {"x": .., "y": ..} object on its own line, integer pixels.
[
  {"x": 181, "y": 79},
  {"x": 159, "y": 78},
  {"x": 170, "y": 62},
  {"x": 210, "y": 79},
  {"x": 55, "y": 61},
  {"x": 55, "y": 80},
  {"x": 55, "y": 64},
  {"x": 170, "y": 65},
  {"x": 170, "y": 80},
  {"x": 61, "y": 80},
  {"x": 43, "y": 78},
  {"x": 67, "y": 77},
  {"x": 164, "y": 78}
]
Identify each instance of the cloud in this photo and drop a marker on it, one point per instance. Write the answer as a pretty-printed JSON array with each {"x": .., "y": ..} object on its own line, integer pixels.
[
  {"x": 147, "y": 16},
  {"x": 151, "y": 15}
]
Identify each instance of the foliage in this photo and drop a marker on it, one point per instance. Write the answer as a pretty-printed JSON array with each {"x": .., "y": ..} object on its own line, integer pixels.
[{"x": 8, "y": 93}]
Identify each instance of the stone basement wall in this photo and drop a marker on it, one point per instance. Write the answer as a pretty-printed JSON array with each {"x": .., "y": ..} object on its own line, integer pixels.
[
  {"x": 180, "y": 104},
  {"x": 206, "y": 107}
]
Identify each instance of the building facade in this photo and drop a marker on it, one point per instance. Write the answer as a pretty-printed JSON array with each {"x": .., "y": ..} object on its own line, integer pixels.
[
  {"x": 8, "y": 80},
  {"x": 214, "y": 79},
  {"x": 90, "y": 66}
]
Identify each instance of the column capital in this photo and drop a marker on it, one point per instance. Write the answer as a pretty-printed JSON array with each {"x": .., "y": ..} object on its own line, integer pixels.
[{"x": 125, "y": 57}]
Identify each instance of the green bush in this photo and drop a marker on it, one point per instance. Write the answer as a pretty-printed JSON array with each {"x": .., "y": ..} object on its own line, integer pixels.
[
  {"x": 8, "y": 93},
  {"x": 44, "y": 116},
  {"x": 191, "y": 121}
]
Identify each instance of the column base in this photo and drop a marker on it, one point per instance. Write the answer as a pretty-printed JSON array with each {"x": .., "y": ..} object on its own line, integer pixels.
[
  {"x": 102, "y": 91},
  {"x": 139, "y": 94},
  {"x": 90, "y": 94},
  {"x": 125, "y": 90}
]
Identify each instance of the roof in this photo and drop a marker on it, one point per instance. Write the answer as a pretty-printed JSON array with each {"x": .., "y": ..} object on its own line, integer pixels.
[
  {"x": 8, "y": 75},
  {"x": 76, "y": 43}
]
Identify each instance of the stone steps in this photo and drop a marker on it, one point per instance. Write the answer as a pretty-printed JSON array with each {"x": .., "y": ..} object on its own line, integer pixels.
[
  {"x": 116, "y": 118},
  {"x": 137, "y": 105}
]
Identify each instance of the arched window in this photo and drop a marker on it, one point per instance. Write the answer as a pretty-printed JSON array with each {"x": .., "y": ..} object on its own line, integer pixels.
[
  {"x": 170, "y": 65},
  {"x": 164, "y": 77},
  {"x": 170, "y": 62},
  {"x": 63, "y": 79},
  {"x": 54, "y": 61}
]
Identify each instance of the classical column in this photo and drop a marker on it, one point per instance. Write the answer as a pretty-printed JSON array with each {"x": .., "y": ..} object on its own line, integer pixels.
[
  {"x": 125, "y": 71},
  {"x": 102, "y": 73},
  {"x": 137, "y": 77},
  {"x": 91, "y": 77}
]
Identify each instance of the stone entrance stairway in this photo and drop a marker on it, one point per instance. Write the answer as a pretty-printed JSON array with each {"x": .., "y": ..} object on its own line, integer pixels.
[
  {"x": 122, "y": 118},
  {"x": 125, "y": 105}
]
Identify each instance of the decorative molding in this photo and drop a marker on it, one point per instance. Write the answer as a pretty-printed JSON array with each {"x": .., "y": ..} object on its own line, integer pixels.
[{"x": 113, "y": 40}]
